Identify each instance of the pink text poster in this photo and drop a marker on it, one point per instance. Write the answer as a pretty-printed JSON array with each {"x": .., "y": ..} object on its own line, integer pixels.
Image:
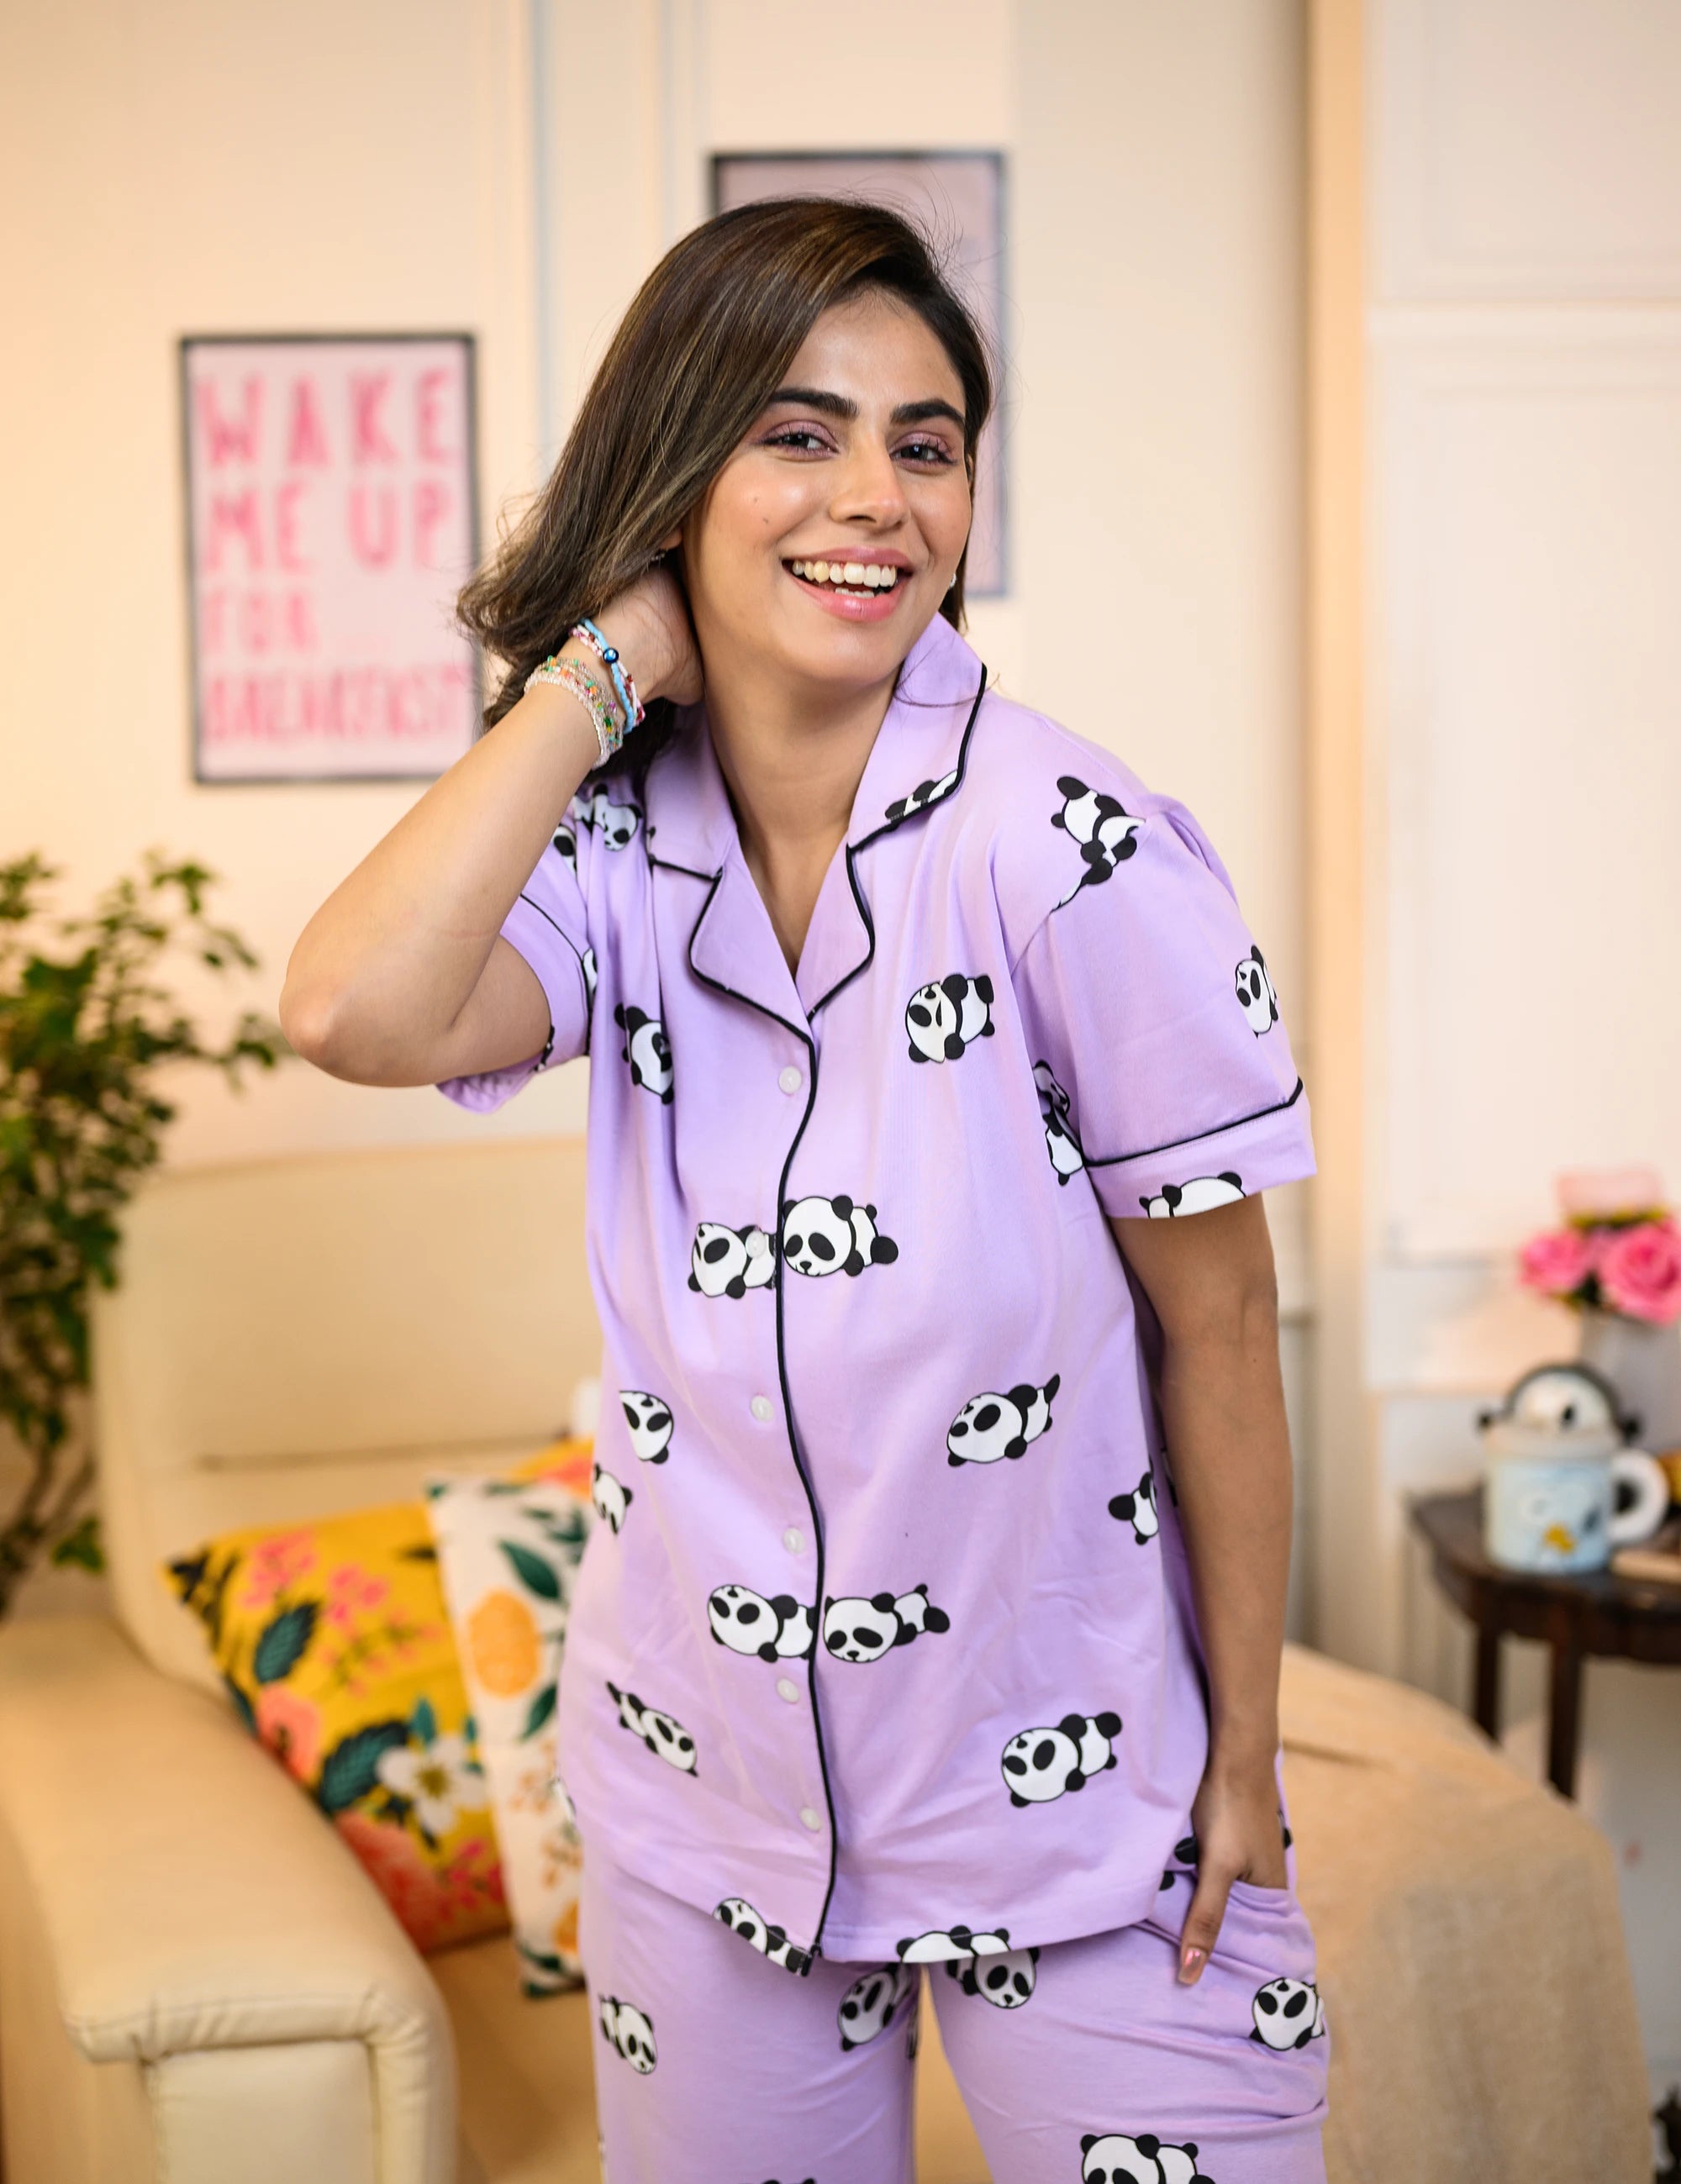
[{"x": 330, "y": 523}]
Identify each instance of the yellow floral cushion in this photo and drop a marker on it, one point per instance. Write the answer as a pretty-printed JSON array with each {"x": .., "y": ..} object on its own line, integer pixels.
[
  {"x": 508, "y": 1549},
  {"x": 335, "y": 1645}
]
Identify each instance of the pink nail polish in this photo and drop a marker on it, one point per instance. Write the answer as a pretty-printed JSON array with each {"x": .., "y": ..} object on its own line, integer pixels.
[{"x": 1189, "y": 1965}]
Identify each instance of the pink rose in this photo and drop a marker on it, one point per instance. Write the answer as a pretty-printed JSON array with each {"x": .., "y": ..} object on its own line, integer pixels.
[
  {"x": 1640, "y": 1272},
  {"x": 1556, "y": 1262}
]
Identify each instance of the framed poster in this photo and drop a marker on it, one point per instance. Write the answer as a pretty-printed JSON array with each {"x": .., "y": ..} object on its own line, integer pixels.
[
  {"x": 957, "y": 196},
  {"x": 332, "y": 516}
]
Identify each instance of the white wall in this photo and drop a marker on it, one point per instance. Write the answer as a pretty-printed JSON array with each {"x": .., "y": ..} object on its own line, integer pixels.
[{"x": 1524, "y": 658}]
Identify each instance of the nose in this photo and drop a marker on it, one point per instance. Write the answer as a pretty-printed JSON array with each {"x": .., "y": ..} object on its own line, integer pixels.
[{"x": 868, "y": 485}]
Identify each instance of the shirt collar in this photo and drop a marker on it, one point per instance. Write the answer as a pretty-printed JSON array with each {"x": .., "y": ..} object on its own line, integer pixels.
[{"x": 915, "y": 761}]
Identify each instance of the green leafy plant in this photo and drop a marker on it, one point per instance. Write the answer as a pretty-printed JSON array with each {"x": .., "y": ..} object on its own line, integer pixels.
[{"x": 84, "y": 1030}]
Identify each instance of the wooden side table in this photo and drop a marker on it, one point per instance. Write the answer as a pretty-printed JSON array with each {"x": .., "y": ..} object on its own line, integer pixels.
[{"x": 1576, "y": 1613}]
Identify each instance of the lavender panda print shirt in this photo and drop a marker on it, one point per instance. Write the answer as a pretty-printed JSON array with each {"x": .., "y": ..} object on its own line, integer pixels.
[{"x": 884, "y": 1640}]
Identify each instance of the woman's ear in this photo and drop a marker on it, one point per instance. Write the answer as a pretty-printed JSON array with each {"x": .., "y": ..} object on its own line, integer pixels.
[{"x": 673, "y": 538}]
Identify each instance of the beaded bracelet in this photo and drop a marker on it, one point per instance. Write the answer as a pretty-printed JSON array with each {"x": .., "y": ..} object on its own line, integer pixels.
[
  {"x": 624, "y": 688},
  {"x": 569, "y": 674}
]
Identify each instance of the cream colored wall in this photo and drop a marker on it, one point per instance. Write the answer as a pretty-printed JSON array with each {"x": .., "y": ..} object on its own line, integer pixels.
[
  {"x": 203, "y": 167},
  {"x": 197, "y": 165}
]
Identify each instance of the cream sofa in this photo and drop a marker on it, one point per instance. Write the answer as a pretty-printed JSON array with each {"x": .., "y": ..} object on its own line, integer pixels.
[{"x": 198, "y": 1984}]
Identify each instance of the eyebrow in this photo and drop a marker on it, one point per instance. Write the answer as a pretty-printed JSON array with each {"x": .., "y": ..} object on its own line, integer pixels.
[{"x": 842, "y": 405}]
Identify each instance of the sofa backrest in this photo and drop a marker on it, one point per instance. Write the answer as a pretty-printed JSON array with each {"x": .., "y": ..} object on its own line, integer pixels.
[{"x": 297, "y": 1337}]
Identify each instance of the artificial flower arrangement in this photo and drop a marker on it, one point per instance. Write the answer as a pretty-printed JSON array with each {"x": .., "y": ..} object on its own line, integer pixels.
[{"x": 1618, "y": 1251}]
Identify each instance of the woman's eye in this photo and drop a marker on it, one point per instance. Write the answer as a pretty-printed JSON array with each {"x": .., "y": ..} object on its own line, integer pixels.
[
  {"x": 798, "y": 436},
  {"x": 930, "y": 454}
]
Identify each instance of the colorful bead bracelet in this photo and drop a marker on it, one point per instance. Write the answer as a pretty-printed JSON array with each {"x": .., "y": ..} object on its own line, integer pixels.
[{"x": 571, "y": 675}]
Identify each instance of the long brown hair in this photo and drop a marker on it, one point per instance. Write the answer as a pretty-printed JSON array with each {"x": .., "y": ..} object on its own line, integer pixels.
[{"x": 702, "y": 348}]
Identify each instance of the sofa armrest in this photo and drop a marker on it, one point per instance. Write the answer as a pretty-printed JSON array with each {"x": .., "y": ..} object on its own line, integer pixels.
[{"x": 190, "y": 1898}]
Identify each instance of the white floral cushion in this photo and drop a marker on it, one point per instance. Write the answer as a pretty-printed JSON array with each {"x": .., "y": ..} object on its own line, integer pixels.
[{"x": 507, "y": 1550}]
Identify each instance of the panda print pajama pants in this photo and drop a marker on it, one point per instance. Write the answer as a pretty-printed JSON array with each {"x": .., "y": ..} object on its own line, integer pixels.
[{"x": 1083, "y": 2061}]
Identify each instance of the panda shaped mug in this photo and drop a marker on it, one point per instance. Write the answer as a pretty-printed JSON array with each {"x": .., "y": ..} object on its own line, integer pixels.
[{"x": 1561, "y": 1488}]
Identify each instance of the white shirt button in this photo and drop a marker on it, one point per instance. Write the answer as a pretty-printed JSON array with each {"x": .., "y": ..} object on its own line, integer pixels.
[
  {"x": 790, "y": 1080},
  {"x": 811, "y": 1817},
  {"x": 794, "y": 1540},
  {"x": 760, "y": 1407},
  {"x": 787, "y": 1689}
]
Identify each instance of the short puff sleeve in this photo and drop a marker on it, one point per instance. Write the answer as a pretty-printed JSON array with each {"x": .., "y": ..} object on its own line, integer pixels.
[
  {"x": 549, "y": 925},
  {"x": 1163, "y": 1064}
]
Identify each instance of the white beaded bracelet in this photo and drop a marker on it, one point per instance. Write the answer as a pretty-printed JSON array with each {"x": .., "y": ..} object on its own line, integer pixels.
[{"x": 569, "y": 674}]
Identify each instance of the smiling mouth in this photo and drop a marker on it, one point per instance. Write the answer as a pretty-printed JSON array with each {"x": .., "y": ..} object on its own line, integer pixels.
[{"x": 857, "y": 580}]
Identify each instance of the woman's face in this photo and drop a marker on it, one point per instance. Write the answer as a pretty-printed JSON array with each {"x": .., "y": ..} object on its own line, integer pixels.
[{"x": 854, "y": 469}]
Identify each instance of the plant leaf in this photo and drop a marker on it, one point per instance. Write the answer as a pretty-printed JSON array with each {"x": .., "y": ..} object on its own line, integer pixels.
[
  {"x": 350, "y": 1770},
  {"x": 533, "y": 1572},
  {"x": 281, "y": 1643}
]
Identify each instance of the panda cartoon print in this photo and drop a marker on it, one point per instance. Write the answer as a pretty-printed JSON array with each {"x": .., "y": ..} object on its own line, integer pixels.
[
  {"x": 730, "y": 1262},
  {"x": 867, "y": 2007},
  {"x": 1288, "y": 2013},
  {"x": 736, "y": 1913},
  {"x": 775, "y": 1630},
  {"x": 942, "y": 1944},
  {"x": 1138, "y": 1509},
  {"x": 610, "y": 1496},
  {"x": 1196, "y": 1196},
  {"x": 629, "y": 2032},
  {"x": 833, "y": 1236},
  {"x": 614, "y": 824},
  {"x": 945, "y": 1017},
  {"x": 925, "y": 794},
  {"x": 667, "y": 1738},
  {"x": 869, "y": 1630},
  {"x": 1042, "y": 1764},
  {"x": 1067, "y": 1158},
  {"x": 990, "y": 1426},
  {"x": 647, "y": 1048},
  {"x": 1115, "y": 2158},
  {"x": 1106, "y": 832},
  {"x": 649, "y": 1420},
  {"x": 1256, "y": 993},
  {"x": 1007, "y": 1980}
]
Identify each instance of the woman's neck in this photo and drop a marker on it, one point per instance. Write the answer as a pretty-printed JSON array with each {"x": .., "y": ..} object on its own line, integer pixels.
[
  {"x": 792, "y": 759},
  {"x": 791, "y": 768}
]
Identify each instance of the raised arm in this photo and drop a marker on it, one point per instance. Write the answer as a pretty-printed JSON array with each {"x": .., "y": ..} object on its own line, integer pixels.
[{"x": 402, "y": 976}]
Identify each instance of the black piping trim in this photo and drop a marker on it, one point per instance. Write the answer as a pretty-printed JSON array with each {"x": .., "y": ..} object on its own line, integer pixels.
[
  {"x": 1113, "y": 1160},
  {"x": 589, "y": 999},
  {"x": 892, "y": 826},
  {"x": 888, "y": 825},
  {"x": 803, "y": 1035},
  {"x": 782, "y": 1376}
]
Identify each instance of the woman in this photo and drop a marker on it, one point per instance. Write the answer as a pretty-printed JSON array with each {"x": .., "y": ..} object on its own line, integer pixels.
[{"x": 912, "y": 1015}]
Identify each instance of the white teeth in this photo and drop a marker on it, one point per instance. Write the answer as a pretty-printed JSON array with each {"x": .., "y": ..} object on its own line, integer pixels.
[{"x": 852, "y": 576}]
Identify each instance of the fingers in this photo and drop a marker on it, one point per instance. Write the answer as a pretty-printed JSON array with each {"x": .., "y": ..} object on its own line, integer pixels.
[{"x": 1201, "y": 1929}]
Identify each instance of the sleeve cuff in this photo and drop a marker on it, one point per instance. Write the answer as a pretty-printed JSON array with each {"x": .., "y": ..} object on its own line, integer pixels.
[
  {"x": 561, "y": 975},
  {"x": 1254, "y": 1153}
]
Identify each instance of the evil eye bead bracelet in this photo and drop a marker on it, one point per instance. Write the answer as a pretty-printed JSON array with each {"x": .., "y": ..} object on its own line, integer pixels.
[{"x": 623, "y": 689}]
